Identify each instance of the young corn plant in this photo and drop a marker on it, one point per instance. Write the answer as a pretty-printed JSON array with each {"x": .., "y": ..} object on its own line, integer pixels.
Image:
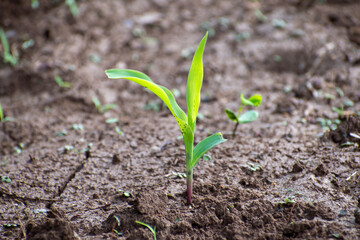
[
  {"x": 186, "y": 122},
  {"x": 249, "y": 116}
]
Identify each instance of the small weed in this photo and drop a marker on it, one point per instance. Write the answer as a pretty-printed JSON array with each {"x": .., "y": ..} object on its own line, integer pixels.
[
  {"x": 5, "y": 179},
  {"x": 254, "y": 167},
  {"x": 207, "y": 27},
  {"x": 290, "y": 199},
  {"x": 118, "y": 223},
  {"x": 73, "y": 7},
  {"x": 278, "y": 23},
  {"x": 242, "y": 36},
  {"x": 118, "y": 130},
  {"x": 18, "y": 149},
  {"x": 28, "y": 44},
  {"x": 10, "y": 225},
  {"x": 112, "y": 120},
  {"x": 62, "y": 83},
  {"x": 153, "y": 230},
  {"x": 260, "y": 16},
  {"x": 153, "y": 106},
  {"x": 77, "y": 127},
  {"x": 62, "y": 133},
  {"x": 35, "y": 4},
  {"x": 3, "y": 118},
  {"x": 328, "y": 124},
  {"x": 7, "y": 56},
  {"x": 95, "y": 58},
  {"x": 103, "y": 108},
  {"x": 124, "y": 193},
  {"x": 247, "y": 117}
]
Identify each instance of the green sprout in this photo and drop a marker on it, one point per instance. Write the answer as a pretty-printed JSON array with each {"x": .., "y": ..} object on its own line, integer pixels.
[
  {"x": 260, "y": 16},
  {"x": 153, "y": 230},
  {"x": 73, "y": 7},
  {"x": 35, "y": 4},
  {"x": 8, "y": 57},
  {"x": 62, "y": 83},
  {"x": 249, "y": 116},
  {"x": 186, "y": 122},
  {"x": 3, "y": 118},
  {"x": 103, "y": 108}
]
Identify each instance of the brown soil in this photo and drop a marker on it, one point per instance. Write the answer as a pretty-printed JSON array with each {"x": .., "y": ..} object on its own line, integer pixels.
[{"x": 277, "y": 179}]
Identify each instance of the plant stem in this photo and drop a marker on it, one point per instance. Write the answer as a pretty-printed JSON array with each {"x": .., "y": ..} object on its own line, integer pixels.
[
  {"x": 234, "y": 130},
  {"x": 189, "y": 183}
]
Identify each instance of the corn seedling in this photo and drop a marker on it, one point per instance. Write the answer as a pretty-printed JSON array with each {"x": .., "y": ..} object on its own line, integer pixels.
[
  {"x": 7, "y": 56},
  {"x": 186, "y": 122},
  {"x": 3, "y": 118},
  {"x": 153, "y": 230},
  {"x": 103, "y": 108},
  {"x": 249, "y": 116}
]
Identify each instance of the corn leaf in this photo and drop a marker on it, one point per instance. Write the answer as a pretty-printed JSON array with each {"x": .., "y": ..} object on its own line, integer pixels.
[
  {"x": 163, "y": 93},
  {"x": 194, "y": 83},
  {"x": 231, "y": 115},
  {"x": 205, "y": 145},
  {"x": 248, "y": 117}
]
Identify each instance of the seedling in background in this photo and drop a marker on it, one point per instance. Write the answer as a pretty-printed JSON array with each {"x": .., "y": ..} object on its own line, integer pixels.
[
  {"x": 62, "y": 83},
  {"x": 153, "y": 230},
  {"x": 7, "y": 56},
  {"x": 3, "y": 118},
  {"x": 118, "y": 130},
  {"x": 249, "y": 116},
  {"x": 103, "y": 108},
  {"x": 186, "y": 122},
  {"x": 73, "y": 7}
]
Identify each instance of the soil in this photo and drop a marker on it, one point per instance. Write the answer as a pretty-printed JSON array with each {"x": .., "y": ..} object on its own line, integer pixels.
[{"x": 67, "y": 174}]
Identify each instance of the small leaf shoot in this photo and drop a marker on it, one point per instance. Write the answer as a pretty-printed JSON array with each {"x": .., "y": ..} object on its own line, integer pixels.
[
  {"x": 153, "y": 230},
  {"x": 103, "y": 108},
  {"x": 62, "y": 83},
  {"x": 3, "y": 118},
  {"x": 73, "y": 7},
  {"x": 250, "y": 116},
  {"x": 7, "y": 56},
  {"x": 186, "y": 122}
]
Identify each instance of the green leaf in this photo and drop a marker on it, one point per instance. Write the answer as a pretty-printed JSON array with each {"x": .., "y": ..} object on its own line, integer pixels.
[
  {"x": 231, "y": 115},
  {"x": 8, "y": 57},
  {"x": 163, "y": 93},
  {"x": 97, "y": 103},
  {"x": 254, "y": 100},
  {"x": 194, "y": 83},
  {"x": 205, "y": 145},
  {"x": 153, "y": 230},
  {"x": 112, "y": 120},
  {"x": 1, "y": 114},
  {"x": 248, "y": 117},
  {"x": 107, "y": 107}
]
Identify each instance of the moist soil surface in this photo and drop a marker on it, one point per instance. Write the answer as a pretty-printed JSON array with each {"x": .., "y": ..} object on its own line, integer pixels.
[{"x": 67, "y": 172}]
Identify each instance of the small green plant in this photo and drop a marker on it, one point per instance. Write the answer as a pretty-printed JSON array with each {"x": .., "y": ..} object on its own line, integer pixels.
[
  {"x": 70, "y": 3},
  {"x": 290, "y": 199},
  {"x": 260, "y": 16},
  {"x": 153, "y": 230},
  {"x": 186, "y": 122},
  {"x": 62, "y": 83},
  {"x": 249, "y": 116},
  {"x": 7, "y": 56},
  {"x": 3, "y": 118},
  {"x": 103, "y": 108},
  {"x": 5, "y": 179}
]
